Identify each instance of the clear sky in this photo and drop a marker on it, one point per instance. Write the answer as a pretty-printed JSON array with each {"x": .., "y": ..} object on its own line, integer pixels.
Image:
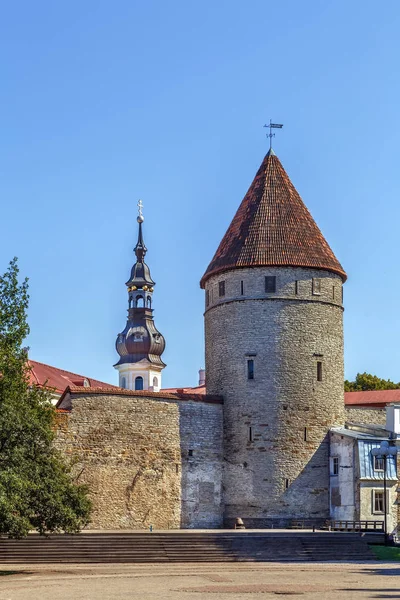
[{"x": 104, "y": 103}]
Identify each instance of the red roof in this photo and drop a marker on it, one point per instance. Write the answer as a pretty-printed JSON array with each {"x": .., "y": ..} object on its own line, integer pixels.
[
  {"x": 200, "y": 389},
  {"x": 372, "y": 399},
  {"x": 59, "y": 379},
  {"x": 273, "y": 227},
  {"x": 108, "y": 389}
]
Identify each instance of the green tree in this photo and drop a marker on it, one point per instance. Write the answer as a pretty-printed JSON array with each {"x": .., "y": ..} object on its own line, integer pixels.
[
  {"x": 366, "y": 381},
  {"x": 37, "y": 489}
]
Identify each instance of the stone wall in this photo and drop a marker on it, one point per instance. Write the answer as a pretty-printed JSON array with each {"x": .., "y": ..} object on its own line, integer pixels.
[
  {"x": 132, "y": 452},
  {"x": 276, "y": 463},
  {"x": 366, "y": 416}
]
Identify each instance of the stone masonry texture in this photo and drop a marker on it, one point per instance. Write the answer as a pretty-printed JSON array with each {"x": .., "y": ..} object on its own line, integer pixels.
[
  {"x": 132, "y": 452},
  {"x": 276, "y": 425}
]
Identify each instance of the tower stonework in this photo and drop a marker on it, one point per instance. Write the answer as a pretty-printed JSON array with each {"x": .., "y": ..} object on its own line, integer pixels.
[{"x": 274, "y": 351}]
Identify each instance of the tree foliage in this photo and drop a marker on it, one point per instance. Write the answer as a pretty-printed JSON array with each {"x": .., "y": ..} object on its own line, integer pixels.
[
  {"x": 366, "y": 381},
  {"x": 37, "y": 490}
]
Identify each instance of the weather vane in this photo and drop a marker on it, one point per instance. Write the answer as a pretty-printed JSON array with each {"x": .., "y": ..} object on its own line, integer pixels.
[
  {"x": 140, "y": 208},
  {"x": 270, "y": 135}
]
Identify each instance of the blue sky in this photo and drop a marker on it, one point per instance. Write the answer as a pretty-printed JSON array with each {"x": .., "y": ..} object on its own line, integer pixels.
[{"x": 104, "y": 103}]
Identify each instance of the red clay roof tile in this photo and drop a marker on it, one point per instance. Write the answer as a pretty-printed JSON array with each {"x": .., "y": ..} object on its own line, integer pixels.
[{"x": 273, "y": 227}]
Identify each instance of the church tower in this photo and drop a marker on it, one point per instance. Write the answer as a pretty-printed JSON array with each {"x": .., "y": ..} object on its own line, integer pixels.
[
  {"x": 140, "y": 345},
  {"x": 274, "y": 351}
]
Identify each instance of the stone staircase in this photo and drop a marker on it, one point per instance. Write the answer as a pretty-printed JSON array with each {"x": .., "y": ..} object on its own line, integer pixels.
[{"x": 174, "y": 547}]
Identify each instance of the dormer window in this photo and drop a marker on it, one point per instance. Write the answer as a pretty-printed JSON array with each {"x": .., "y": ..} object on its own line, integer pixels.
[
  {"x": 137, "y": 337},
  {"x": 221, "y": 289}
]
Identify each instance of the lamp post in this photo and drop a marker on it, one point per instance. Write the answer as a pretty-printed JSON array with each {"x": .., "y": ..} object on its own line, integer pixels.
[{"x": 384, "y": 451}]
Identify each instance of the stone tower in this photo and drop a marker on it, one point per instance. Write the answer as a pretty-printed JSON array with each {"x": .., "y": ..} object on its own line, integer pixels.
[
  {"x": 140, "y": 345},
  {"x": 274, "y": 351}
]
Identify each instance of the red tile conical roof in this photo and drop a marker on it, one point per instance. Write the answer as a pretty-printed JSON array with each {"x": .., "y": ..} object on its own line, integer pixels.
[{"x": 273, "y": 227}]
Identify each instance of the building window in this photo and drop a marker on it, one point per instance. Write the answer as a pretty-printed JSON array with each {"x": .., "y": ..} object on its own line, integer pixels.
[
  {"x": 148, "y": 301},
  {"x": 123, "y": 383},
  {"x": 139, "y": 383},
  {"x": 207, "y": 297},
  {"x": 250, "y": 434},
  {"x": 378, "y": 502},
  {"x": 250, "y": 369},
  {"x": 155, "y": 382},
  {"x": 333, "y": 292},
  {"x": 335, "y": 465},
  {"x": 242, "y": 288},
  {"x": 296, "y": 287},
  {"x": 221, "y": 288},
  {"x": 139, "y": 302},
  {"x": 270, "y": 284},
  {"x": 305, "y": 434},
  {"x": 190, "y": 452},
  {"x": 316, "y": 286},
  {"x": 379, "y": 463},
  {"x": 342, "y": 294},
  {"x": 319, "y": 370},
  {"x": 286, "y": 484}
]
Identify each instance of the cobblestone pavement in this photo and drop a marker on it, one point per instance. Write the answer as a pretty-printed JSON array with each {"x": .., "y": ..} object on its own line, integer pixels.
[{"x": 228, "y": 581}]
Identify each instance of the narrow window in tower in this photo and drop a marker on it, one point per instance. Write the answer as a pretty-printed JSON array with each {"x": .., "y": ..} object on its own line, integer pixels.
[
  {"x": 342, "y": 294},
  {"x": 241, "y": 288},
  {"x": 333, "y": 292},
  {"x": 296, "y": 287},
  {"x": 316, "y": 286},
  {"x": 221, "y": 288},
  {"x": 250, "y": 369},
  {"x": 270, "y": 284},
  {"x": 305, "y": 434},
  {"x": 334, "y": 465},
  {"x": 250, "y": 434},
  {"x": 207, "y": 297},
  {"x": 286, "y": 484},
  {"x": 190, "y": 452},
  {"x": 319, "y": 370}
]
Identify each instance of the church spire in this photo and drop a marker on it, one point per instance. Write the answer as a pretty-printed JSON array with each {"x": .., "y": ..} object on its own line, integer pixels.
[{"x": 140, "y": 345}]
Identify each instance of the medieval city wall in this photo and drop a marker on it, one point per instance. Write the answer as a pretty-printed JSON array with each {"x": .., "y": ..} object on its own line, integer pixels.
[
  {"x": 276, "y": 462},
  {"x": 366, "y": 416},
  {"x": 132, "y": 452}
]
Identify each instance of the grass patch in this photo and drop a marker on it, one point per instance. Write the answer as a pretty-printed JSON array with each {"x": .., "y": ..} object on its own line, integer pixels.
[{"x": 389, "y": 553}]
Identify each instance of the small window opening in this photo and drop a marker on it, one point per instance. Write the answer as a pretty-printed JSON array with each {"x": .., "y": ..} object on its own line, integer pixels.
[
  {"x": 139, "y": 383},
  {"x": 207, "y": 297},
  {"x": 286, "y": 484},
  {"x": 335, "y": 465},
  {"x": 250, "y": 434},
  {"x": 221, "y": 288},
  {"x": 190, "y": 452},
  {"x": 379, "y": 502},
  {"x": 155, "y": 382},
  {"x": 379, "y": 463},
  {"x": 296, "y": 287},
  {"x": 139, "y": 302},
  {"x": 148, "y": 301},
  {"x": 250, "y": 369},
  {"x": 316, "y": 286},
  {"x": 123, "y": 383},
  {"x": 176, "y": 468},
  {"x": 305, "y": 434},
  {"x": 130, "y": 301},
  {"x": 319, "y": 370},
  {"x": 333, "y": 292},
  {"x": 242, "y": 288},
  {"x": 270, "y": 284},
  {"x": 342, "y": 295}
]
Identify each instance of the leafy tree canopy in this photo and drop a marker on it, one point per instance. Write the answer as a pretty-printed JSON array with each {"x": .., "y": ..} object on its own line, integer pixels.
[
  {"x": 366, "y": 381},
  {"x": 37, "y": 490}
]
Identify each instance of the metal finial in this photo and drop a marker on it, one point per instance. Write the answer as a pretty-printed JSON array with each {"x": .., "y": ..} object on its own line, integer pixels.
[
  {"x": 270, "y": 135},
  {"x": 140, "y": 218}
]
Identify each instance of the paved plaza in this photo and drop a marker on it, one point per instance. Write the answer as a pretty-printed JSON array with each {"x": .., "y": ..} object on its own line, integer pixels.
[{"x": 233, "y": 581}]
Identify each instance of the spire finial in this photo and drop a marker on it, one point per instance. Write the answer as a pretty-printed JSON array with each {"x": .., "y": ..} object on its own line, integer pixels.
[
  {"x": 140, "y": 217},
  {"x": 270, "y": 135},
  {"x": 140, "y": 248}
]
